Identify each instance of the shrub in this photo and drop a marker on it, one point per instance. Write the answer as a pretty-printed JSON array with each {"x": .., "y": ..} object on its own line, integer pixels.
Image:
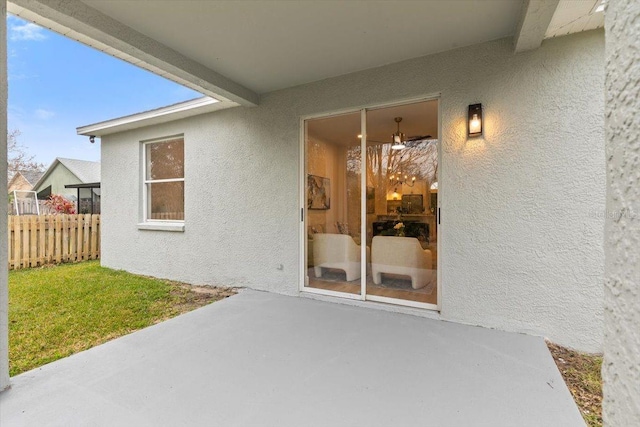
[{"x": 59, "y": 205}]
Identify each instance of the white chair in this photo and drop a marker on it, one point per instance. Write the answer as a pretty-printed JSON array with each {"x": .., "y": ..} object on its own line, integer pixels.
[
  {"x": 402, "y": 256},
  {"x": 337, "y": 251}
]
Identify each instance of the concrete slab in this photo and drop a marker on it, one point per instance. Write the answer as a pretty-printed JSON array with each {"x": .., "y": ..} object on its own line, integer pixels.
[{"x": 261, "y": 359}]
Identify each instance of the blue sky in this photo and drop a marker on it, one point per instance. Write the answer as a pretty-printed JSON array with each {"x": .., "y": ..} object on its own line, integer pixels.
[{"x": 57, "y": 84}]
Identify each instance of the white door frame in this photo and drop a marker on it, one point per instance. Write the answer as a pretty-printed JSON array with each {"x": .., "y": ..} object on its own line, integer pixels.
[{"x": 363, "y": 209}]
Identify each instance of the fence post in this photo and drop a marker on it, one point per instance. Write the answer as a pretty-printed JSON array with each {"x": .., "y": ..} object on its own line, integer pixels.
[
  {"x": 17, "y": 255},
  {"x": 24, "y": 220},
  {"x": 50, "y": 238},
  {"x": 33, "y": 242},
  {"x": 42, "y": 240},
  {"x": 80, "y": 237},
  {"x": 86, "y": 250},
  {"x": 94, "y": 236},
  {"x": 73, "y": 242},
  {"x": 10, "y": 247}
]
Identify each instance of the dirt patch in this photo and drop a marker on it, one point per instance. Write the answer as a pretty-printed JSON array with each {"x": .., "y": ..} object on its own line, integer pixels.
[
  {"x": 185, "y": 297},
  {"x": 217, "y": 292},
  {"x": 193, "y": 296},
  {"x": 581, "y": 372}
]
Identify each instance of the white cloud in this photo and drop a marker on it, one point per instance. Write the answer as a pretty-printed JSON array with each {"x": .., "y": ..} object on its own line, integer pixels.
[
  {"x": 44, "y": 114},
  {"x": 26, "y": 31}
]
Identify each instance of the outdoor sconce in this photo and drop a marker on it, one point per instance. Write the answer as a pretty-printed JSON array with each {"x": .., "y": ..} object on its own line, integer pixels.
[{"x": 474, "y": 120}]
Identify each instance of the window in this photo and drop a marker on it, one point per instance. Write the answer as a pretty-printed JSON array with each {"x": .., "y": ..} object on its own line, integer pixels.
[{"x": 164, "y": 180}]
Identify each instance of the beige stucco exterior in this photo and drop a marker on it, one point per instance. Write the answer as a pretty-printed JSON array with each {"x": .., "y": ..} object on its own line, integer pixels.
[{"x": 621, "y": 366}]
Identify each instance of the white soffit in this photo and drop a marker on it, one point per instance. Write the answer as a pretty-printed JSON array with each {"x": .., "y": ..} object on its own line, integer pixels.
[
  {"x": 574, "y": 16},
  {"x": 177, "y": 111},
  {"x": 80, "y": 22},
  {"x": 271, "y": 45}
]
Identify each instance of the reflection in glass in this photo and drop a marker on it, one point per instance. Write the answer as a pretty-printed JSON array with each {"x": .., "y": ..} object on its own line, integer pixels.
[
  {"x": 165, "y": 160},
  {"x": 166, "y": 200},
  {"x": 401, "y": 222}
]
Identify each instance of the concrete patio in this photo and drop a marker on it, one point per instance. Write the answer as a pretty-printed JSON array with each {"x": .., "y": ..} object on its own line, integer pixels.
[{"x": 261, "y": 359}]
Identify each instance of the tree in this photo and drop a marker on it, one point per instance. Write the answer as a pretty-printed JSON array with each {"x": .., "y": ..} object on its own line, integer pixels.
[
  {"x": 419, "y": 160},
  {"x": 18, "y": 158}
]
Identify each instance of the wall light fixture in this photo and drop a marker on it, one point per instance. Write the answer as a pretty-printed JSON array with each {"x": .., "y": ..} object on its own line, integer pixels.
[{"x": 475, "y": 120}]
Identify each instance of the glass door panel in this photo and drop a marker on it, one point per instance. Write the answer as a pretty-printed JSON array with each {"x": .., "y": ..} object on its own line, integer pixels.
[
  {"x": 401, "y": 200},
  {"x": 333, "y": 203}
]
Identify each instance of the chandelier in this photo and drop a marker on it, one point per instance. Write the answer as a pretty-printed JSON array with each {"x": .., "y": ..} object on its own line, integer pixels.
[{"x": 400, "y": 179}]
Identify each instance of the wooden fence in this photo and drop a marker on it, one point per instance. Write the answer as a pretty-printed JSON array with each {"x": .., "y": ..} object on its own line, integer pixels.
[
  {"x": 36, "y": 240},
  {"x": 28, "y": 207}
]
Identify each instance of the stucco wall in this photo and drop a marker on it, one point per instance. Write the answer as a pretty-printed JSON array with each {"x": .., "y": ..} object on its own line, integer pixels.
[
  {"x": 4, "y": 289},
  {"x": 621, "y": 367},
  {"x": 521, "y": 235}
]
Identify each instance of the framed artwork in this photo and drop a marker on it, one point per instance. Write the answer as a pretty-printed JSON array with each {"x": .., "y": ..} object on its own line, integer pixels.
[
  {"x": 318, "y": 192},
  {"x": 412, "y": 203},
  {"x": 371, "y": 200},
  {"x": 392, "y": 206}
]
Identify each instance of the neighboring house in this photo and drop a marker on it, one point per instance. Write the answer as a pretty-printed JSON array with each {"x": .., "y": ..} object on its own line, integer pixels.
[
  {"x": 22, "y": 202},
  {"x": 76, "y": 180},
  {"x": 24, "y": 180},
  {"x": 514, "y": 237}
]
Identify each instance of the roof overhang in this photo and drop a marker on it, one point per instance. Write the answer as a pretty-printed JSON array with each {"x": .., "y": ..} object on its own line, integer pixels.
[
  {"x": 534, "y": 21},
  {"x": 177, "y": 111},
  {"x": 87, "y": 25},
  {"x": 544, "y": 19},
  {"x": 88, "y": 185},
  {"x": 238, "y": 50},
  {"x": 272, "y": 45}
]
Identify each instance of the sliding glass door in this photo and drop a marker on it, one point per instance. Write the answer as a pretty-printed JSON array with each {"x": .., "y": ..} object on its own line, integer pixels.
[{"x": 371, "y": 204}]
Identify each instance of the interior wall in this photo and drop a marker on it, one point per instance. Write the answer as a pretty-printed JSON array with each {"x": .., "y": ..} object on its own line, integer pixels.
[
  {"x": 521, "y": 243},
  {"x": 324, "y": 160},
  {"x": 621, "y": 373}
]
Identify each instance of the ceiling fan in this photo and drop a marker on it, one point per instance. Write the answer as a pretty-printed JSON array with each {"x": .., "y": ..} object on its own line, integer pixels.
[{"x": 398, "y": 139}]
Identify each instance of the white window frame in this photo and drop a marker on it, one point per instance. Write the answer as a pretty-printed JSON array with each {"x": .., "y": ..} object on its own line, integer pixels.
[{"x": 150, "y": 223}]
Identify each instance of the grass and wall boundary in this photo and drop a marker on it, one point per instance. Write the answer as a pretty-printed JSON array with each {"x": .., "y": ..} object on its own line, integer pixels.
[{"x": 36, "y": 240}]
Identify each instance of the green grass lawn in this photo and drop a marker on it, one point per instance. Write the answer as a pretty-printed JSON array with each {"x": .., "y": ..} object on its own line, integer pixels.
[{"x": 60, "y": 310}]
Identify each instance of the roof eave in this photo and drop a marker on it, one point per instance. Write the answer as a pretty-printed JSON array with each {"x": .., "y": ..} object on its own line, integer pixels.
[
  {"x": 87, "y": 185},
  {"x": 181, "y": 110}
]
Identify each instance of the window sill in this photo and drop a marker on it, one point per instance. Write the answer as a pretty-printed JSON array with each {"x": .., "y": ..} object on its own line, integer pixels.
[{"x": 162, "y": 226}]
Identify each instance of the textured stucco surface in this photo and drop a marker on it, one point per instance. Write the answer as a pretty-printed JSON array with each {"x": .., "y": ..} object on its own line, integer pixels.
[
  {"x": 4, "y": 287},
  {"x": 521, "y": 238},
  {"x": 621, "y": 367}
]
